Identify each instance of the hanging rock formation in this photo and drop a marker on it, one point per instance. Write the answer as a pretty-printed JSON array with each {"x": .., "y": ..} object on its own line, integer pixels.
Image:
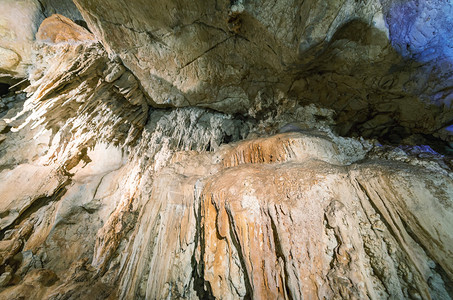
[
  {"x": 385, "y": 74},
  {"x": 193, "y": 151}
]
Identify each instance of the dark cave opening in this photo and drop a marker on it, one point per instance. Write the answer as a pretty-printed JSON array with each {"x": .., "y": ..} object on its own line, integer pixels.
[
  {"x": 4, "y": 89},
  {"x": 83, "y": 24}
]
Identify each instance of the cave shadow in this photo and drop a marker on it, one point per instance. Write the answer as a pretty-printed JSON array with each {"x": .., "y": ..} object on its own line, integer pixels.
[
  {"x": 4, "y": 89},
  {"x": 375, "y": 90}
]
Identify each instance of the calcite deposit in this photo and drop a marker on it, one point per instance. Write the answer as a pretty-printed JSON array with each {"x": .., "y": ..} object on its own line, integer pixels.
[
  {"x": 385, "y": 67},
  {"x": 227, "y": 150},
  {"x": 19, "y": 20}
]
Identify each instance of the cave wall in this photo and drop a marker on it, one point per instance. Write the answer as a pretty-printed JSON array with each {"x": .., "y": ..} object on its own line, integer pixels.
[
  {"x": 368, "y": 60},
  {"x": 19, "y": 22},
  {"x": 192, "y": 150},
  {"x": 66, "y": 8}
]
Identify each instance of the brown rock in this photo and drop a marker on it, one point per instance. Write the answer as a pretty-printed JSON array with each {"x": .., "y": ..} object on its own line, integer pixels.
[
  {"x": 104, "y": 198},
  {"x": 5, "y": 279},
  {"x": 41, "y": 276},
  {"x": 59, "y": 29}
]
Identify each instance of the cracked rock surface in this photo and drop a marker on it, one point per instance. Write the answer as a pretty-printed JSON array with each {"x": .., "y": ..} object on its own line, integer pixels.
[
  {"x": 384, "y": 67},
  {"x": 172, "y": 154}
]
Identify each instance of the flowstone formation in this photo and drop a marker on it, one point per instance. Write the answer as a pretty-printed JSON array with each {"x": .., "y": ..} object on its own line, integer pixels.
[{"x": 180, "y": 150}]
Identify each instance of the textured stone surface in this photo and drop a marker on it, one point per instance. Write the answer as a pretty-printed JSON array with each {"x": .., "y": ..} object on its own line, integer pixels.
[
  {"x": 58, "y": 28},
  {"x": 19, "y": 20},
  {"x": 10, "y": 59},
  {"x": 116, "y": 192},
  {"x": 107, "y": 193},
  {"x": 62, "y": 7},
  {"x": 373, "y": 62}
]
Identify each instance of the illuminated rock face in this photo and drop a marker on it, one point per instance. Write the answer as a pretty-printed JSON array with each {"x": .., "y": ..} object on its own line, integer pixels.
[
  {"x": 105, "y": 194},
  {"x": 373, "y": 62},
  {"x": 58, "y": 29},
  {"x": 19, "y": 20},
  {"x": 421, "y": 30}
]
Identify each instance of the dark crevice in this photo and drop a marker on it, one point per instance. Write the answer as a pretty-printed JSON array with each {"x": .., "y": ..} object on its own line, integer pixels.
[
  {"x": 202, "y": 287},
  {"x": 36, "y": 205},
  {"x": 5, "y": 130},
  {"x": 237, "y": 245},
  {"x": 448, "y": 282},
  {"x": 83, "y": 24},
  {"x": 227, "y": 139},
  {"x": 279, "y": 254},
  {"x": 43, "y": 8},
  {"x": 208, "y": 147},
  {"x": 4, "y": 89}
]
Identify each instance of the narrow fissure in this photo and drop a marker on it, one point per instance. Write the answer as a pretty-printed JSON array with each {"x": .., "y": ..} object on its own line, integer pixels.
[
  {"x": 235, "y": 240},
  {"x": 36, "y": 205},
  {"x": 202, "y": 288},
  {"x": 279, "y": 254},
  {"x": 448, "y": 283}
]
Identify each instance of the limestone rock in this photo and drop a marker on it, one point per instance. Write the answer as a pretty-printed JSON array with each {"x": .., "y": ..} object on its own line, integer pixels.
[
  {"x": 118, "y": 180},
  {"x": 16, "y": 201},
  {"x": 9, "y": 59},
  {"x": 302, "y": 214},
  {"x": 5, "y": 278},
  {"x": 57, "y": 29},
  {"x": 19, "y": 21},
  {"x": 61, "y": 7},
  {"x": 364, "y": 60}
]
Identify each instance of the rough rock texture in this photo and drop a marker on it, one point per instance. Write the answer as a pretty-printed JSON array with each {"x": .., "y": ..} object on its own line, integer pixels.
[
  {"x": 62, "y": 7},
  {"x": 19, "y": 20},
  {"x": 58, "y": 28},
  {"x": 108, "y": 193},
  {"x": 385, "y": 67}
]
